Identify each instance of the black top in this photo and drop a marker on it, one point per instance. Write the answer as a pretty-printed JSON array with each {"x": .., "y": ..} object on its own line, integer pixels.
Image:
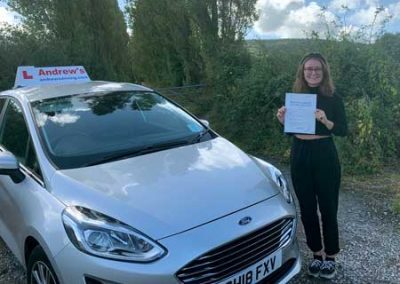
[{"x": 334, "y": 109}]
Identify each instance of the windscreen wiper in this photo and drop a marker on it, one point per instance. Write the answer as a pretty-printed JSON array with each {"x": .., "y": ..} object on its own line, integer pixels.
[
  {"x": 138, "y": 151},
  {"x": 200, "y": 135}
]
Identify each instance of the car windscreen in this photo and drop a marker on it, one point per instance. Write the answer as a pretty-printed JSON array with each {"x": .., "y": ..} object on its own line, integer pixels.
[{"x": 94, "y": 128}]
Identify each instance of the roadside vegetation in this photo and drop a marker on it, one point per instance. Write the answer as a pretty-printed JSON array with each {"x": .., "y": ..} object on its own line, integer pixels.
[{"x": 190, "y": 42}]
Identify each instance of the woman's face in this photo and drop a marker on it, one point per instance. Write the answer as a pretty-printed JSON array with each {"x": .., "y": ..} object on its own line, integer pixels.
[{"x": 313, "y": 73}]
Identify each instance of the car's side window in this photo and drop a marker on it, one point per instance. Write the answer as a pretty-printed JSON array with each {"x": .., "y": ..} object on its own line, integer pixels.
[
  {"x": 2, "y": 102},
  {"x": 14, "y": 136}
]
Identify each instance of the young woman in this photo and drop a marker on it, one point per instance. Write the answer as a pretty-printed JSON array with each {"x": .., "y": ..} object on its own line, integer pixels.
[{"x": 315, "y": 167}]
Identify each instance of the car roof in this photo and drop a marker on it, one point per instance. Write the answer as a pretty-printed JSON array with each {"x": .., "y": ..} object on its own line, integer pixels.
[{"x": 54, "y": 91}]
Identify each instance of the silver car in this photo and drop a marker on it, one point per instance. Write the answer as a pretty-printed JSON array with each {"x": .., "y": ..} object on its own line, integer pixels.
[{"x": 105, "y": 182}]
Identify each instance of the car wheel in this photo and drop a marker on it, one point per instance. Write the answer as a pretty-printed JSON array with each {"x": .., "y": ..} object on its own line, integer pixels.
[{"x": 39, "y": 269}]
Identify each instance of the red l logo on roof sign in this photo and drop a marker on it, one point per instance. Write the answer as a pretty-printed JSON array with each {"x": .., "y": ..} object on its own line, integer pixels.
[{"x": 26, "y": 75}]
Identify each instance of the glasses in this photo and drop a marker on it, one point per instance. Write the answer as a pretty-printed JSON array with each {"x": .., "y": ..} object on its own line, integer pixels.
[{"x": 310, "y": 70}]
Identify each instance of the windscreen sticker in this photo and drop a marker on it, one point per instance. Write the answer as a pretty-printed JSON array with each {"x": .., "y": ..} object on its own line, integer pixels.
[{"x": 194, "y": 127}]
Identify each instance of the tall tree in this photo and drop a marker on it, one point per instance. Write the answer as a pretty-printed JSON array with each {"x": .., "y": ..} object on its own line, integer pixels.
[
  {"x": 88, "y": 32},
  {"x": 162, "y": 42},
  {"x": 186, "y": 41},
  {"x": 226, "y": 20},
  {"x": 220, "y": 27}
]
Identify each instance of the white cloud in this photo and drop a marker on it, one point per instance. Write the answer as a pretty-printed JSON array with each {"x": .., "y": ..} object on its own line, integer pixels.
[
  {"x": 273, "y": 13},
  {"x": 7, "y": 17},
  {"x": 337, "y": 5},
  {"x": 301, "y": 21},
  {"x": 372, "y": 2},
  {"x": 289, "y": 18},
  {"x": 297, "y": 18},
  {"x": 59, "y": 118},
  {"x": 395, "y": 11},
  {"x": 282, "y": 4},
  {"x": 64, "y": 118},
  {"x": 366, "y": 16}
]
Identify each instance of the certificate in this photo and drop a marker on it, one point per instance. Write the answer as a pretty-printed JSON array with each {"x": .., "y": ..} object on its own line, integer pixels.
[{"x": 300, "y": 113}]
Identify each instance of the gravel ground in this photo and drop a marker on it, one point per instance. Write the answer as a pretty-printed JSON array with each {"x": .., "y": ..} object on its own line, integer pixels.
[
  {"x": 370, "y": 240},
  {"x": 10, "y": 269}
]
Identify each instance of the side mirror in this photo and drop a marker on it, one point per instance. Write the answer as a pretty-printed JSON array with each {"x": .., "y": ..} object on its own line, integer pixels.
[
  {"x": 205, "y": 122},
  {"x": 9, "y": 166}
]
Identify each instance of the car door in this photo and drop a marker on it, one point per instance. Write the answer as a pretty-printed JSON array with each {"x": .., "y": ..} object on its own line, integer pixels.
[{"x": 15, "y": 138}]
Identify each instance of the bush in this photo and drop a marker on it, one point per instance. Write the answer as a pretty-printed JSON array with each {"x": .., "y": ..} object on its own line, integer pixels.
[
  {"x": 365, "y": 77},
  {"x": 361, "y": 152},
  {"x": 246, "y": 114}
]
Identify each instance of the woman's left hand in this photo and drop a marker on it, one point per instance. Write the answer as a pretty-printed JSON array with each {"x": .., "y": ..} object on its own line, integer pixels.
[{"x": 321, "y": 116}]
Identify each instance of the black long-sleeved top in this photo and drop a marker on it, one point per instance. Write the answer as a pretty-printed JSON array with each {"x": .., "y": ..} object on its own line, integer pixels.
[{"x": 334, "y": 109}]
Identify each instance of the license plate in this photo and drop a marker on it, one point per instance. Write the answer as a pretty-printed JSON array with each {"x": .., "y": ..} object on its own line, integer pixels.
[{"x": 257, "y": 271}]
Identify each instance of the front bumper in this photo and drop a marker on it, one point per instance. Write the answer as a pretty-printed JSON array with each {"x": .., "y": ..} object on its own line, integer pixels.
[{"x": 72, "y": 265}]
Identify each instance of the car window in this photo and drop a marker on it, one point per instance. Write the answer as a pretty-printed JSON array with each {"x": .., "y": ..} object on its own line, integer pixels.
[
  {"x": 14, "y": 136},
  {"x": 83, "y": 129},
  {"x": 2, "y": 102}
]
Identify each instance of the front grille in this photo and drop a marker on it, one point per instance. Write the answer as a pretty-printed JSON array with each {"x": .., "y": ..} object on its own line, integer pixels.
[{"x": 237, "y": 255}]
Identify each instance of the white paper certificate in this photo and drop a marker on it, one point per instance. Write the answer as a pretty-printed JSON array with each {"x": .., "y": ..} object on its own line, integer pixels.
[{"x": 300, "y": 113}]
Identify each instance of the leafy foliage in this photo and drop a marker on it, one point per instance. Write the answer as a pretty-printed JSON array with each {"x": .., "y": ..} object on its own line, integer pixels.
[
  {"x": 365, "y": 76},
  {"x": 85, "y": 32},
  {"x": 182, "y": 42},
  {"x": 188, "y": 41},
  {"x": 163, "y": 46}
]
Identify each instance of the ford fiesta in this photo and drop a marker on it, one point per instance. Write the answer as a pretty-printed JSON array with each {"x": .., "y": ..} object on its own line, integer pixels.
[{"x": 106, "y": 182}]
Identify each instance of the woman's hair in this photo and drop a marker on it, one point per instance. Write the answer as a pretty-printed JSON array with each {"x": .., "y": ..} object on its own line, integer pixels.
[{"x": 326, "y": 87}]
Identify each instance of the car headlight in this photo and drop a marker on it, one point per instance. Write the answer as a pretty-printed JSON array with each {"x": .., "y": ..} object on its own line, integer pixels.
[
  {"x": 97, "y": 234},
  {"x": 282, "y": 183},
  {"x": 277, "y": 177}
]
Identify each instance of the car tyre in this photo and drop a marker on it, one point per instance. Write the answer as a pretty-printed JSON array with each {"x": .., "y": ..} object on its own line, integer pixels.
[{"x": 39, "y": 270}]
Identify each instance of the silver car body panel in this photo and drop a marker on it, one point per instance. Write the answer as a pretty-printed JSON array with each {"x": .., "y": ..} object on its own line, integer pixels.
[
  {"x": 191, "y": 244},
  {"x": 178, "y": 196},
  {"x": 194, "y": 184},
  {"x": 39, "y": 217}
]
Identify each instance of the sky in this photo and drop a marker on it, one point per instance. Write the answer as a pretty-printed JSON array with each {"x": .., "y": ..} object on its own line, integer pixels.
[{"x": 298, "y": 18}]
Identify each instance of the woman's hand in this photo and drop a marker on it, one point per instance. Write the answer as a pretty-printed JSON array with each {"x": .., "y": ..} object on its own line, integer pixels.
[
  {"x": 281, "y": 114},
  {"x": 321, "y": 117}
]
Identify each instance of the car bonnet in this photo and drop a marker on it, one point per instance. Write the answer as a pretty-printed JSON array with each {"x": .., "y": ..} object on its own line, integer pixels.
[{"x": 170, "y": 191}]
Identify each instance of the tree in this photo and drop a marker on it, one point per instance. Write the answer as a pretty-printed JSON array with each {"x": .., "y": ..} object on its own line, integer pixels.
[
  {"x": 162, "y": 43},
  {"x": 220, "y": 27},
  {"x": 189, "y": 41},
  {"x": 84, "y": 32},
  {"x": 226, "y": 20}
]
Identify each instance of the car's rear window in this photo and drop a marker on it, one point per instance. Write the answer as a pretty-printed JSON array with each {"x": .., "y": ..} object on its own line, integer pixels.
[{"x": 83, "y": 129}]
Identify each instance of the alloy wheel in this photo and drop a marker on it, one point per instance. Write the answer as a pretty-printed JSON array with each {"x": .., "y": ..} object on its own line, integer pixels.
[{"x": 41, "y": 274}]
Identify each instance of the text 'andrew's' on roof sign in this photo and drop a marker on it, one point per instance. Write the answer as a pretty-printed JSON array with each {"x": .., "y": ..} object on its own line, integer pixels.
[{"x": 34, "y": 76}]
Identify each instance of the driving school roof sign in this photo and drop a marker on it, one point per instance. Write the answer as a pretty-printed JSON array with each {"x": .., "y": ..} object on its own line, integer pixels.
[{"x": 34, "y": 76}]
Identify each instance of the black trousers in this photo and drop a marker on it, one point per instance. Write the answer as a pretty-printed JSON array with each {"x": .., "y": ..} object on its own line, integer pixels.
[{"x": 315, "y": 171}]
